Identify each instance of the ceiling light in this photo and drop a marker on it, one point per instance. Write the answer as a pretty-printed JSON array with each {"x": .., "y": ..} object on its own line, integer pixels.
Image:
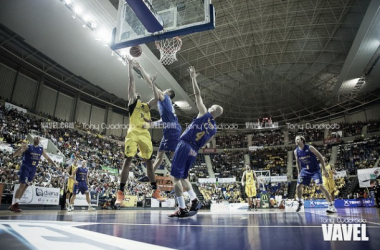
[
  {"x": 184, "y": 105},
  {"x": 78, "y": 10}
]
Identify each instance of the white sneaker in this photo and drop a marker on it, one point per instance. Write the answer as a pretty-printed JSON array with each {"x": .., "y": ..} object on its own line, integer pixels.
[
  {"x": 331, "y": 209},
  {"x": 71, "y": 208},
  {"x": 91, "y": 209}
]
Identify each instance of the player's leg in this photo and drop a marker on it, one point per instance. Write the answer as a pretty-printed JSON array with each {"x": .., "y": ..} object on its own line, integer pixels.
[
  {"x": 123, "y": 180},
  {"x": 182, "y": 210},
  {"x": 317, "y": 176},
  {"x": 303, "y": 179},
  {"x": 72, "y": 200},
  {"x": 88, "y": 199},
  {"x": 159, "y": 160},
  {"x": 195, "y": 204}
]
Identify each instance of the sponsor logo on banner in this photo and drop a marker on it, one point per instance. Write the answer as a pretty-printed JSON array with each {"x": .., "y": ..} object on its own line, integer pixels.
[
  {"x": 220, "y": 180},
  {"x": 164, "y": 183},
  {"x": 255, "y": 148},
  {"x": 129, "y": 201},
  {"x": 282, "y": 178},
  {"x": 209, "y": 150},
  {"x": 331, "y": 141},
  {"x": 80, "y": 199},
  {"x": 39, "y": 195},
  {"x": 264, "y": 200}
]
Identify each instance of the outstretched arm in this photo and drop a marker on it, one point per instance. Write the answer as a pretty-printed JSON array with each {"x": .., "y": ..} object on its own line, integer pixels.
[
  {"x": 131, "y": 84},
  {"x": 20, "y": 150},
  {"x": 153, "y": 102},
  {"x": 197, "y": 93},
  {"x": 46, "y": 156},
  {"x": 150, "y": 81}
]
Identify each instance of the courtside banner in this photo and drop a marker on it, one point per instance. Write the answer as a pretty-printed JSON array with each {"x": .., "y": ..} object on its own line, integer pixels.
[
  {"x": 129, "y": 201},
  {"x": 368, "y": 176},
  {"x": 340, "y": 174},
  {"x": 39, "y": 195},
  {"x": 220, "y": 180},
  {"x": 164, "y": 183},
  {"x": 209, "y": 150},
  {"x": 282, "y": 178},
  {"x": 369, "y": 202},
  {"x": 80, "y": 199}
]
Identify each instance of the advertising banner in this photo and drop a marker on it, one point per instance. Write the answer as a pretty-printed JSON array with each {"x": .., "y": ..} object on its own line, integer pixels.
[
  {"x": 361, "y": 202},
  {"x": 368, "y": 176},
  {"x": 164, "y": 183},
  {"x": 80, "y": 199},
  {"x": 331, "y": 141},
  {"x": 39, "y": 195},
  {"x": 209, "y": 150},
  {"x": 129, "y": 201},
  {"x": 282, "y": 178},
  {"x": 264, "y": 200}
]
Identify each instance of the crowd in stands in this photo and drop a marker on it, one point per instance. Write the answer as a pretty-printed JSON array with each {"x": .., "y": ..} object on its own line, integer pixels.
[
  {"x": 313, "y": 191},
  {"x": 230, "y": 163},
  {"x": 311, "y": 135},
  {"x": 231, "y": 141},
  {"x": 373, "y": 126},
  {"x": 274, "y": 159},
  {"x": 230, "y": 192},
  {"x": 358, "y": 155},
  {"x": 351, "y": 129},
  {"x": 268, "y": 138}
]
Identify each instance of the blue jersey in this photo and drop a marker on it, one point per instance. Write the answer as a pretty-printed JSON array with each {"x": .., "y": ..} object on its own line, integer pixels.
[
  {"x": 200, "y": 131},
  {"x": 307, "y": 159},
  {"x": 168, "y": 116},
  {"x": 32, "y": 155},
  {"x": 81, "y": 174}
]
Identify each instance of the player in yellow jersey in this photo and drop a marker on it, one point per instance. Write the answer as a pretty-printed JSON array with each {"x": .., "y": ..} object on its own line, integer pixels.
[
  {"x": 70, "y": 183},
  {"x": 329, "y": 182},
  {"x": 249, "y": 179},
  {"x": 138, "y": 137}
]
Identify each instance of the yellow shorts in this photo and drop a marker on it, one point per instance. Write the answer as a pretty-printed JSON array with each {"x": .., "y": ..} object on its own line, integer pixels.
[
  {"x": 329, "y": 184},
  {"x": 70, "y": 186},
  {"x": 250, "y": 191},
  {"x": 141, "y": 140}
]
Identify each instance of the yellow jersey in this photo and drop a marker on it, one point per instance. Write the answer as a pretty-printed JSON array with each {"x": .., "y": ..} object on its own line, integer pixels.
[
  {"x": 136, "y": 119},
  {"x": 329, "y": 171},
  {"x": 249, "y": 178}
]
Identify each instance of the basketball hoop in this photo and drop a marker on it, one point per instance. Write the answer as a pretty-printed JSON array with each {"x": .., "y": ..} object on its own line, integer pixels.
[{"x": 168, "y": 49}]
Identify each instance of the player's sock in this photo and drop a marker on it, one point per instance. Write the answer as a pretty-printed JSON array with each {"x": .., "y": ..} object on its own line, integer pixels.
[
  {"x": 181, "y": 202},
  {"x": 192, "y": 194},
  {"x": 122, "y": 185},
  {"x": 153, "y": 185},
  {"x": 17, "y": 200}
]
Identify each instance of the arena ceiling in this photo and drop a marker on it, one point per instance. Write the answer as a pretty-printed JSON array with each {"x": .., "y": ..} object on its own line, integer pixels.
[
  {"x": 292, "y": 60},
  {"x": 280, "y": 58}
]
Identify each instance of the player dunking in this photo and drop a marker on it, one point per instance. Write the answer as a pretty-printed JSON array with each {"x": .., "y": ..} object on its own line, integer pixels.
[
  {"x": 171, "y": 128},
  {"x": 308, "y": 168},
  {"x": 138, "y": 137},
  {"x": 329, "y": 181},
  {"x": 81, "y": 185},
  {"x": 251, "y": 185},
  {"x": 196, "y": 135},
  {"x": 31, "y": 157}
]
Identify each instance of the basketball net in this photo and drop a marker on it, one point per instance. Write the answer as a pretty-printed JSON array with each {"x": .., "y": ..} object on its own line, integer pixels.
[{"x": 168, "y": 49}]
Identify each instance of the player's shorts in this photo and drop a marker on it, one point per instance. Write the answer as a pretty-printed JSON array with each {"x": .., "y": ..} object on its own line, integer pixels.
[
  {"x": 329, "y": 184},
  {"x": 27, "y": 173},
  {"x": 250, "y": 190},
  {"x": 170, "y": 140},
  {"x": 183, "y": 159},
  {"x": 80, "y": 187},
  {"x": 306, "y": 175},
  {"x": 138, "y": 139},
  {"x": 70, "y": 186}
]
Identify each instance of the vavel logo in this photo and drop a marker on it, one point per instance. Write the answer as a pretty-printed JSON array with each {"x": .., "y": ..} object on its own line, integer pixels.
[{"x": 345, "y": 232}]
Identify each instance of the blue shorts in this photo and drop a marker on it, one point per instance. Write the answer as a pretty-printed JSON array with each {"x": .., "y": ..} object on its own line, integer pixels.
[
  {"x": 183, "y": 159},
  {"x": 27, "y": 173},
  {"x": 306, "y": 175},
  {"x": 170, "y": 140},
  {"x": 80, "y": 187}
]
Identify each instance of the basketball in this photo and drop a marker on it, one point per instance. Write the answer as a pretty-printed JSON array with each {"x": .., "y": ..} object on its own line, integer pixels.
[{"x": 135, "y": 51}]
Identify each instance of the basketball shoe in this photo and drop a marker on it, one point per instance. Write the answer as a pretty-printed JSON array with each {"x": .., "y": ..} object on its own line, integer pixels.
[
  {"x": 156, "y": 195},
  {"x": 119, "y": 198},
  {"x": 300, "y": 204},
  {"x": 195, "y": 205},
  {"x": 15, "y": 208},
  {"x": 180, "y": 213}
]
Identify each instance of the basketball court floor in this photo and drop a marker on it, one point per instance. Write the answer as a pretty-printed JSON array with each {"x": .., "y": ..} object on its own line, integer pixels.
[{"x": 145, "y": 229}]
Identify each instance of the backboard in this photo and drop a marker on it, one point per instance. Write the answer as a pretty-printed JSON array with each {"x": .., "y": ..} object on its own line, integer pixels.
[{"x": 143, "y": 21}]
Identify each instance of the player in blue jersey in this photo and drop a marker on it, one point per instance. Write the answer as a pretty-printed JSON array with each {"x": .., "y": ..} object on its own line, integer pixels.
[
  {"x": 308, "y": 168},
  {"x": 169, "y": 121},
  {"x": 31, "y": 155},
  {"x": 80, "y": 176},
  {"x": 197, "y": 134}
]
